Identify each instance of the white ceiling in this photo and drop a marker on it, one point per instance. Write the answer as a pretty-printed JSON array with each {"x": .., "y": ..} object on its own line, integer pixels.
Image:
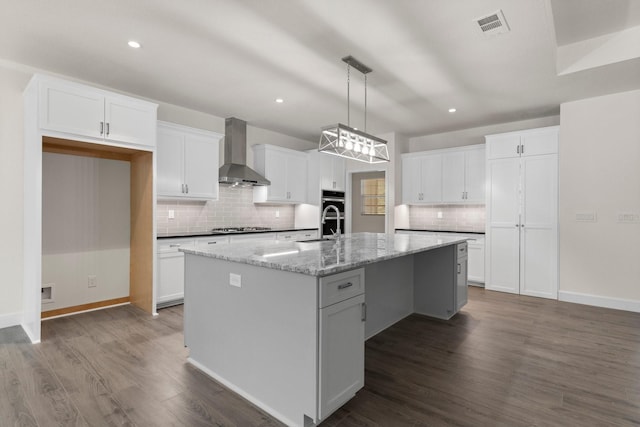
[{"x": 234, "y": 57}]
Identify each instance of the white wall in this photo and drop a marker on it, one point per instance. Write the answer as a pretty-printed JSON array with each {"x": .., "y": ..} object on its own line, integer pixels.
[
  {"x": 11, "y": 194},
  {"x": 85, "y": 228},
  {"x": 475, "y": 135},
  {"x": 600, "y": 172}
]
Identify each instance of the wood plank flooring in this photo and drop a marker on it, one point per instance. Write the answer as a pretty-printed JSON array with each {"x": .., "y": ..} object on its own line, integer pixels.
[{"x": 505, "y": 360}]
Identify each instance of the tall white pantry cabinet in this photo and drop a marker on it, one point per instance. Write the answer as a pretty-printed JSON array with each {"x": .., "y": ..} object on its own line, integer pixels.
[{"x": 522, "y": 212}]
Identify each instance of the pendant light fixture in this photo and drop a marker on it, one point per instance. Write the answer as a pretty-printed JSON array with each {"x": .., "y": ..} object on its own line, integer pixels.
[{"x": 345, "y": 141}]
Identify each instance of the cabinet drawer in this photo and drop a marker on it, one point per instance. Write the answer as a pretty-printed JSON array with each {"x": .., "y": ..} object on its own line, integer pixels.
[
  {"x": 211, "y": 241},
  {"x": 297, "y": 235},
  {"x": 339, "y": 287},
  {"x": 172, "y": 245},
  {"x": 462, "y": 249}
]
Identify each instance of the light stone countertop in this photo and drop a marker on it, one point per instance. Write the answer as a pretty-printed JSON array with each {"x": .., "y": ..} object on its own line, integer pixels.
[{"x": 325, "y": 257}]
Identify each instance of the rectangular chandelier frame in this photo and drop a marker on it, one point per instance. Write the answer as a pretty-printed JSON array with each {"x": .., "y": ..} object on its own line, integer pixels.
[{"x": 345, "y": 141}]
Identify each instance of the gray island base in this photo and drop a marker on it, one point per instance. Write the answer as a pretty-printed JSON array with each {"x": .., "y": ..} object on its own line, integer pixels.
[{"x": 283, "y": 324}]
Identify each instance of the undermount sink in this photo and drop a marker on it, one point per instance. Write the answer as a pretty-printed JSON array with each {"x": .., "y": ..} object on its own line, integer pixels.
[{"x": 324, "y": 239}]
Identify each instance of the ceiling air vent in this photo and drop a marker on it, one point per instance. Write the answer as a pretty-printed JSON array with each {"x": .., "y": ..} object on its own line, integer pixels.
[{"x": 493, "y": 23}]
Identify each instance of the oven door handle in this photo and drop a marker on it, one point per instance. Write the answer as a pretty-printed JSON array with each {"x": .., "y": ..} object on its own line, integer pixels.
[{"x": 332, "y": 199}]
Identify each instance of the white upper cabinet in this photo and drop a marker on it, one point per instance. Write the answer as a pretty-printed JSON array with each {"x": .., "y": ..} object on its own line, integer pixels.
[
  {"x": 454, "y": 175},
  {"x": 324, "y": 172},
  {"x": 287, "y": 171},
  {"x": 72, "y": 108},
  {"x": 518, "y": 144},
  {"x": 463, "y": 175},
  {"x": 421, "y": 178},
  {"x": 332, "y": 171},
  {"x": 187, "y": 162}
]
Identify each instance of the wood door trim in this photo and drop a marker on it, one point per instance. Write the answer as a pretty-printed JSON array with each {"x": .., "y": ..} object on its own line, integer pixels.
[{"x": 84, "y": 307}]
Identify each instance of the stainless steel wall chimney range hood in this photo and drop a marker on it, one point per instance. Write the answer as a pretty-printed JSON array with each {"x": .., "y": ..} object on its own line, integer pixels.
[{"x": 235, "y": 171}]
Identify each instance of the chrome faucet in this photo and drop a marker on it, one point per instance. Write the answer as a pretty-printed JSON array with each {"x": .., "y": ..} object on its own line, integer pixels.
[{"x": 324, "y": 219}]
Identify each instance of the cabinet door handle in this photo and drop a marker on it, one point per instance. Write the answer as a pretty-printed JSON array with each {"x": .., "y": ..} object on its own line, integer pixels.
[
  {"x": 174, "y": 245},
  {"x": 363, "y": 317},
  {"x": 182, "y": 188},
  {"x": 345, "y": 285},
  {"x": 522, "y": 149},
  {"x": 518, "y": 149},
  {"x": 187, "y": 186},
  {"x": 101, "y": 128},
  {"x": 211, "y": 243},
  {"x": 107, "y": 129},
  {"x": 458, "y": 268}
]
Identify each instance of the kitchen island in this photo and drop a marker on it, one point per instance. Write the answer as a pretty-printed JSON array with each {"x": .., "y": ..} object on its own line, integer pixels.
[{"x": 284, "y": 323}]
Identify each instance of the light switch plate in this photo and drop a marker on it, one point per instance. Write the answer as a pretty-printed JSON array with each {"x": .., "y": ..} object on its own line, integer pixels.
[
  {"x": 628, "y": 217},
  {"x": 172, "y": 214},
  {"x": 235, "y": 280}
]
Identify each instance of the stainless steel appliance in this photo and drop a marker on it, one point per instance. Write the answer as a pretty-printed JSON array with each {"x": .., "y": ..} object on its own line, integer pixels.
[{"x": 335, "y": 198}]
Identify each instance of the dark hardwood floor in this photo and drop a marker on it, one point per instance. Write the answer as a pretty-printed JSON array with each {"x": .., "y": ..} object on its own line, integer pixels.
[{"x": 505, "y": 360}]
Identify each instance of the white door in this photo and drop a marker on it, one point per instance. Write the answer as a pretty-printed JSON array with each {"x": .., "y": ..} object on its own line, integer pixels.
[
  {"x": 411, "y": 178},
  {"x": 339, "y": 170},
  {"x": 297, "y": 178},
  {"x": 503, "y": 146},
  {"x": 169, "y": 163},
  {"x": 341, "y": 353},
  {"x": 201, "y": 167},
  {"x": 475, "y": 176},
  {"x": 129, "y": 121},
  {"x": 276, "y": 172},
  {"x": 502, "y": 250},
  {"x": 539, "y": 241},
  {"x": 453, "y": 177},
  {"x": 67, "y": 108},
  {"x": 431, "y": 178}
]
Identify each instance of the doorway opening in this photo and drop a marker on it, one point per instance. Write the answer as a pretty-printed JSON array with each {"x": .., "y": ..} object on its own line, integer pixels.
[
  {"x": 110, "y": 229},
  {"x": 368, "y": 202}
]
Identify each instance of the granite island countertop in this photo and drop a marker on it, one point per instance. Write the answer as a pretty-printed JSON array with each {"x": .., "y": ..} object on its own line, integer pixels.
[{"x": 321, "y": 258}]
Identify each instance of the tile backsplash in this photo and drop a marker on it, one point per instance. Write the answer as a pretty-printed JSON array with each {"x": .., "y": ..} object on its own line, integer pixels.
[
  {"x": 234, "y": 208},
  {"x": 454, "y": 217}
]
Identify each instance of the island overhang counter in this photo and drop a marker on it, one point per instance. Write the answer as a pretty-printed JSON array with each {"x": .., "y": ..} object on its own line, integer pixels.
[{"x": 284, "y": 323}]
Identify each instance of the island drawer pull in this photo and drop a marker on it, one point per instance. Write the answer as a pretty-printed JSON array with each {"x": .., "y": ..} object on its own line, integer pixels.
[
  {"x": 363, "y": 317},
  {"x": 211, "y": 243},
  {"x": 345, "y": 285},
  {"x": 174, "y": 245}
]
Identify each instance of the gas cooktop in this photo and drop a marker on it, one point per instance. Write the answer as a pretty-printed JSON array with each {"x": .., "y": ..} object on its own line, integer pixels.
[{"x": 238, "y": 229}]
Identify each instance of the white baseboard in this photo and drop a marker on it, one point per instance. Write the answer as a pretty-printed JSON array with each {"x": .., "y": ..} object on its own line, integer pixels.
[
  {"x": 11, "y": 319},
  {"x": 600, "y": 301},
  {"x": 242, "y": 393}
]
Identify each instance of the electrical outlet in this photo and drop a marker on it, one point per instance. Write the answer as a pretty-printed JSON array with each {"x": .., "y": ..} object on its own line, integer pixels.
[
  {"x": 47, "y": 293},
  {"x": 172, "y": 214},
  {"x": 92, "y": 281},
  {"x": 277, "y": 213},
  {"x": 235, "y": 280},
  {"x": 439, "y": 214}
]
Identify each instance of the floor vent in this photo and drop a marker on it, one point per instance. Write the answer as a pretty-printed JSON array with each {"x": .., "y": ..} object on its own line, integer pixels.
[{"x": 493, "y": 23}]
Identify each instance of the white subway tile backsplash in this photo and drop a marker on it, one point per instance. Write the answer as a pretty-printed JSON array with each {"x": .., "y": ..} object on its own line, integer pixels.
[
  {"x": 235, "y": 207},
  {"x": 454, "y": 217}
]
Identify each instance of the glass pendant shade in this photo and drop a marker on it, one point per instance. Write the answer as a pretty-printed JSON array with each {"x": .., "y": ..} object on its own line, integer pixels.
[{"x": 345, "y": 141}]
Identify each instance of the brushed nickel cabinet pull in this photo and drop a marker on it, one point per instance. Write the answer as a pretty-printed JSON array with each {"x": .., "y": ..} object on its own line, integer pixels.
[
  {"x": 101, "y": 128},
  {"x": 107, "y": 129},
  {"x": 345, "y": 285},
  {"x": 363, "y": 317}
]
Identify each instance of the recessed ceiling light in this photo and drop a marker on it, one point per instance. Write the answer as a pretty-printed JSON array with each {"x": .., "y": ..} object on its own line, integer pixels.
[
  {"x": 134, "y": 44},
  {"x": 452, "y": 110},
  {"x": 279, "y": 100}
]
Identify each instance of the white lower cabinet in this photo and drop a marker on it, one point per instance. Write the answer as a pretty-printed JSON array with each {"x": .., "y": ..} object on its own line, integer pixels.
[
  {"x": 170, "y": 277},
  {"x": 252, "y": 237},
  {"x": 341, "y": 340}
]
